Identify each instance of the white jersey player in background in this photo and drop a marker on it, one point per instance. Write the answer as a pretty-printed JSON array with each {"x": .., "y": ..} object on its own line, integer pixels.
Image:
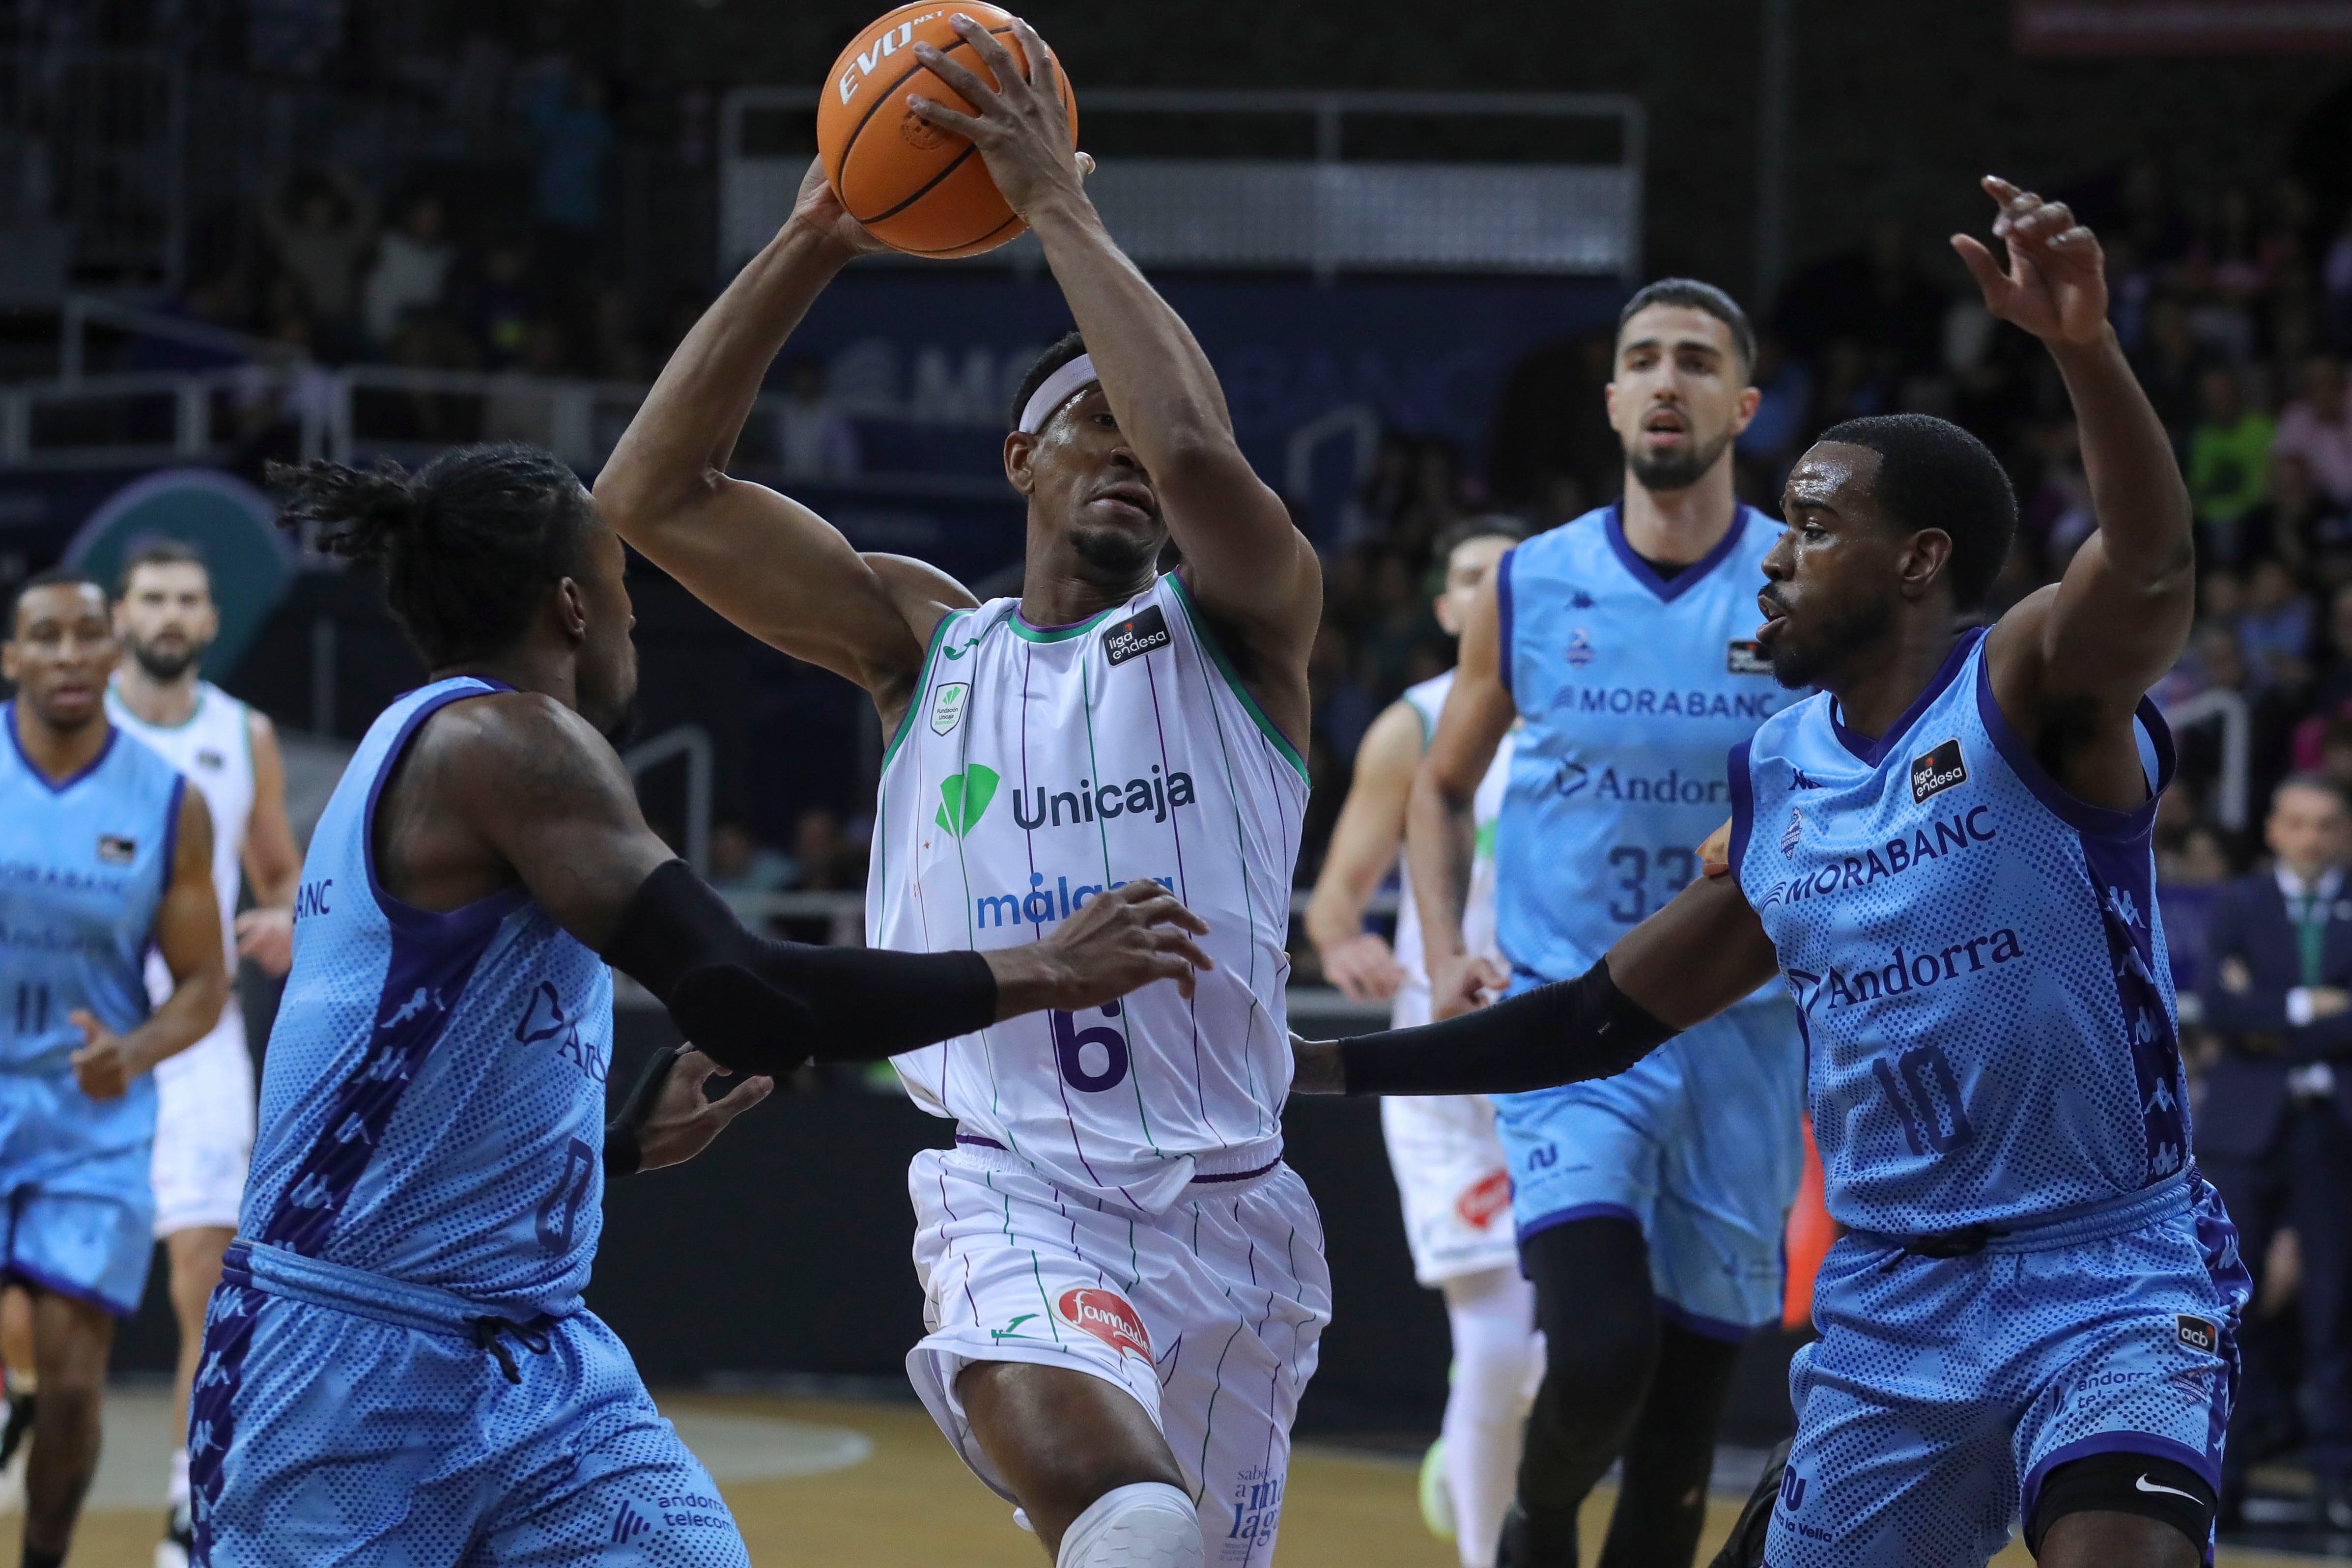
[
  {"x": 205, "y": 1095},
  {"x": 1449, "y": 1164},
  {"x": 1125, "y": 1284}
]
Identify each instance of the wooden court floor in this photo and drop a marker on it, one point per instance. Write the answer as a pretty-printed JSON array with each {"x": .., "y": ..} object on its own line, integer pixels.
[{"x": 912, "y": 1504}]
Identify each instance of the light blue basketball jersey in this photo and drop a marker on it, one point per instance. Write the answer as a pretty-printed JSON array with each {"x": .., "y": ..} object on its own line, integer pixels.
[
  {"x": 1976, "y": 956},
  {"x": 1629, "y": 688},
  {"x": 432, "y": 1103},
  {"x": 83, "y": 866}
]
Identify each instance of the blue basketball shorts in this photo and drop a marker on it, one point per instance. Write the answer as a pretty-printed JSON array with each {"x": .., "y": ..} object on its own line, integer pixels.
[
  {"x": 341, "y": 1418},
  {"x": 77, "y": 1194},
  {"x": 1700, "y": 1144},
  {"x": 1943, "y": 1391}
]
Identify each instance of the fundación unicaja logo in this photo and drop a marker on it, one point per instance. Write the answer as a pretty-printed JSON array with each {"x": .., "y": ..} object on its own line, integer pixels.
[{"x": 963, "y": 796}]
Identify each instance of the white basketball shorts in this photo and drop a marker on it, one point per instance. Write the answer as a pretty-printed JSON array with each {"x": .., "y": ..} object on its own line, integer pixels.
[
  {"x": 204, "y": 1129},
  {"x": 1208, "y": 1313},
  {"x": 1455, "y": 1184}
]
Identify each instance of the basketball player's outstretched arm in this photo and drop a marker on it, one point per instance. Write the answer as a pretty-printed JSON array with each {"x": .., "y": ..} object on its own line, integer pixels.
[
  {"x": 1363, "y": 851},
  {"x": 1689, "y": 961},
  {"x": 1242, "y": 556},
  {"x": 519, "y": 787},
  {"x": 769, "y": 564},
  {"x": 1441, "y": 828},
  {"x": 2071, "y": 663},
  {"x": 188, "y": 934}
]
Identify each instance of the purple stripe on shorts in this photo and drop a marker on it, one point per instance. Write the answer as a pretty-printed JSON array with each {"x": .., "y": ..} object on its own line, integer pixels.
[{"x": 976, "y": 1139}]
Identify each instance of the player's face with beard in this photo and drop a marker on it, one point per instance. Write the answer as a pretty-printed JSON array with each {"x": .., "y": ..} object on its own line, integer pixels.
[
  {"x": 605, "y": 680},
  {"x": 1679, "y": 395},
  {"x": 1834, "y": 578},
  {"x": 167, "y": 618},
  {"x": 1088, "y": 494}
]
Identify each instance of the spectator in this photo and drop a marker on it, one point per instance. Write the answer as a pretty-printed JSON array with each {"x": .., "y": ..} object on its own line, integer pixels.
[
  {"x": 2317, "y": 428},
  {"x": 504, "y": 305},
  {"x": 565, "y": 107},
  {"x": 2229, "y": 461},
  {"x": 812, "y": 440},
  {"x": 2274, "y": 628},
  {"x": 321, "y": 226},
  {"x": 412, "y": 267},
  {"x": 2274, "y": 1132},
  {"x": 2299, "y": 526},
  {"x": 740, "y": 863}
]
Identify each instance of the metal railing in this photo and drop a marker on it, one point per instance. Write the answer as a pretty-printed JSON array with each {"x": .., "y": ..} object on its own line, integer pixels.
[
  {"x": 692, "y": 742},
  {"x": 1326, "y": 215},
  {"x": 2228, "y": 708}
]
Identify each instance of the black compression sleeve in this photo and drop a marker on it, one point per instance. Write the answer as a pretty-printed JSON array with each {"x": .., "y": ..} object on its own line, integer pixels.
[
  {"x": 1559, "y": 1033},
  {"x": 758, "y": 1006}
]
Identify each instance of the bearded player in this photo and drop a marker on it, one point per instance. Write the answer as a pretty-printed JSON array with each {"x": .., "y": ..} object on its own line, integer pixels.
[
  {"x": 1649, "y": 1208},
  {"x": 1947, "y": 855},
  {"x": 1125, "y": 1284}
]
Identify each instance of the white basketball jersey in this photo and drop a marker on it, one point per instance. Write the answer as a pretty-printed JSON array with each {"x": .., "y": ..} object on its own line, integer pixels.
[
  {"x": 1037, "y": 767},
  {"x": 1411, "y": 1003},
  {"x": 214, "y": 751}
]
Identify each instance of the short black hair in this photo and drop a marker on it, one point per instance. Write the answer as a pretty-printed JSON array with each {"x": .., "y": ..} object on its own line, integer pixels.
[
  {"x": 1491, "y": 525},
  {"x": 468, "y": 544},
  {"x": 2311, "y": 780},
  {"x": 1934, "y": 475},
  {"x": 1691, "y": 294},
  {"x": 55, "y": 577},
  {"x": 1058, "y": 352},
  {"x": 160, "y": 551}
]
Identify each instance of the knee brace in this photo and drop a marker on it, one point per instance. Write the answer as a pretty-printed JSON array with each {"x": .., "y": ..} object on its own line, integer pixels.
[{"x": 1149, "y": 1524}]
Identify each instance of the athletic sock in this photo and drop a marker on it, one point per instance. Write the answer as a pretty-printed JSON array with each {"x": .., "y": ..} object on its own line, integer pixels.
[
  {"x": 1497, "y": 1358},
  {"x": 175, "y": 1492},
  {"x": 1146, "y": 1525}
]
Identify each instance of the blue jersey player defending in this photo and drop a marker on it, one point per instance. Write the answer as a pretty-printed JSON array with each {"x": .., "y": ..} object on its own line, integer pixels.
[
  {"x": 1649, "y": 1208},
  {"x": 104, "y": 855},
  {"x": 396, "y": 1368},
  {"x": 1946, "y": 855}
]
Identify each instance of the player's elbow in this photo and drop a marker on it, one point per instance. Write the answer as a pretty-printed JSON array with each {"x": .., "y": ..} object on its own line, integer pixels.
[{"x": 641, "y": 499}]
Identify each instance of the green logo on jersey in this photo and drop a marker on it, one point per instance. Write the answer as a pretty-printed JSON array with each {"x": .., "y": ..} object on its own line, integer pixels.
[{"x": 963, "y": 796}]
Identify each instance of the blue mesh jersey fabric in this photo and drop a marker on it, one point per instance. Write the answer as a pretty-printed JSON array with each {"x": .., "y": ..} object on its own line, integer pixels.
[
  {"x": 433, "y": 1101},
  {"x": 397, "y": 1369},
  {"x": 83, "y": 865},
  {"x": 1629, "y": 688},
  {"x": 320, "y": 1434},
  {"x": 1976, "y": 956},
  {"x": 1943, "y": 1391}
]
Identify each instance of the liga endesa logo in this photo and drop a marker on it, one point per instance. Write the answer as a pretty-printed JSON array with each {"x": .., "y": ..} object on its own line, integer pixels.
[{"x": 1107, "y": 1317}]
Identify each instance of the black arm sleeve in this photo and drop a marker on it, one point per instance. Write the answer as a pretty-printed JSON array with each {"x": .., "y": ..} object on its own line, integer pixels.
[
  {"x": 1560, "y": 1033},
  {"x": 757, "y": 1005}
]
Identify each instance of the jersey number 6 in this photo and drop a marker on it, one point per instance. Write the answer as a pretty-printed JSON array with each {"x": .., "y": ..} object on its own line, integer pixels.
[{"x": 1070, "y": 1044}]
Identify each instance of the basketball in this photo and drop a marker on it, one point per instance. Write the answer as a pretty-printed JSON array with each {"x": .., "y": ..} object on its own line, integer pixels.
[{"x": 914, "y": 187}]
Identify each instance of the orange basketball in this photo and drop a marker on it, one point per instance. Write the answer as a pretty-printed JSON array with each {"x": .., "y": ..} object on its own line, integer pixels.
[{"x": 916, "y": 188}]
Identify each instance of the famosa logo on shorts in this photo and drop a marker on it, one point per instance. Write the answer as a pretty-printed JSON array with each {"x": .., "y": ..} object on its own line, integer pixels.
[{"x": 964, "y": 799}]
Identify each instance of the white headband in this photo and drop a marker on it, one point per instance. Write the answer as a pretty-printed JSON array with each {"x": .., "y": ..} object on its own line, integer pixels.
[{"x": 1054, "y": 391}]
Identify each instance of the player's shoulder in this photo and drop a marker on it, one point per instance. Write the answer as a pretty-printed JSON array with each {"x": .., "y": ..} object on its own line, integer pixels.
[
  {"x": 129, "y": 756},
  {"x": 1563, "y": 544}
]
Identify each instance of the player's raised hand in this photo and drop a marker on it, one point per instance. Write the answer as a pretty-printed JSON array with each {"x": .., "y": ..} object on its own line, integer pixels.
[
  {"x": 1020, "y": 125},
  {"x": 2056, "y": 283},
  {"x": 684, "y": 1118},
  {"x": 1119, "y": 942},
  {"x": 102, "y": 1067},
  {"x": 818, "y": 209}
]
